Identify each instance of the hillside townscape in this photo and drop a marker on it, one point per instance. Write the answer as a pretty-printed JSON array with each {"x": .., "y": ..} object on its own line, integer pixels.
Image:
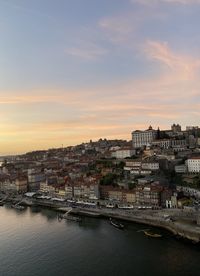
[{"x": 157, "y": 168}]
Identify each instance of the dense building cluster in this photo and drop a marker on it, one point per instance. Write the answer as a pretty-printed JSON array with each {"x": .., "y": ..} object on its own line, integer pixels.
[{"x": 157, "y": 168}]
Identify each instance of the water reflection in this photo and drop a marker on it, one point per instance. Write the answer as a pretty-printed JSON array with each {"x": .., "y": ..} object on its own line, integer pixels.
[
  {"x": 49, "y": 214},
  {"x": 33, "y": 242},
  {"x": 35, "y": 209},
  {"x": 90, "y": 223}
]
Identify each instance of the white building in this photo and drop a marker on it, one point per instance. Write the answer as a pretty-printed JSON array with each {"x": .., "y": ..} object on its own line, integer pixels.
[
  {"x": 69, "y": 191},
  {"x": 143, "y": 138},
  {"x": 178, "y": 144},
  {"x": 165, "y": 143},
  {"x": 193, "y": 165},
  {"x": 180, "y": 168},
  {"x": 139, "y": 164},
  {"x": 153, "y": 166},
  {"x": 90, "y": 191},
  {"x": 123, "y": 153},
  {"x": 45, "y": 188},
  {"x": 188, "y": 191}
]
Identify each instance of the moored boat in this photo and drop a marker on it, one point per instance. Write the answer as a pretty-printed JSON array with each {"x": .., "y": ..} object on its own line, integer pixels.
[
  {"x": 73, "y": 218},
  {"x": 152, "y": 235},
  {"x": 116, "y": 224}
]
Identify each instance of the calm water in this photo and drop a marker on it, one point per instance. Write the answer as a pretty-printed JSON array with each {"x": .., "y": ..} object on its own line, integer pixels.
[{"x": 33, "y": 242}]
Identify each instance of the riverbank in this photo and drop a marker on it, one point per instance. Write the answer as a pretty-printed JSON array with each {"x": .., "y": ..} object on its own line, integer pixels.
[
  {"x": 185, "y": 225},
  {"x": 179, "y": 222}
]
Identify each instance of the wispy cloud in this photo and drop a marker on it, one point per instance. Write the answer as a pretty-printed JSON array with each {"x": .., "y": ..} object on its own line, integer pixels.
[
  {"x": 124, "y": 28},
  {"x": 25, "y": 9},
  {"x": 162, "y": 84},
  {"x": 119, "y": 28},
  {"x": 46, "y": 96},
  {"x": 186, "y": 66},
  {"x": 87, "y": 52}
]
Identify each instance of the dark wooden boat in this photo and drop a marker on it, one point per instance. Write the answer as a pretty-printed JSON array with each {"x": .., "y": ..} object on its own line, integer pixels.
[
  {"x": 116, "y": 224},
  {"x": 152, "y": 235}
]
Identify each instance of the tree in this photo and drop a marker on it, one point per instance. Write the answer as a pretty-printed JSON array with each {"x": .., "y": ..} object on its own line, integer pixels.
[
  {"x": 108, "y": 180},
  {"x": 131, "y": 185},
  {"x": 120, "y": 165}
]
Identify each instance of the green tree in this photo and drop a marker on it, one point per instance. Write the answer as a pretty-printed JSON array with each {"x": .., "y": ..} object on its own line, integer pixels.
[
  {"x": 108, "y": 180},
  {"x": 131, "y": 185}
]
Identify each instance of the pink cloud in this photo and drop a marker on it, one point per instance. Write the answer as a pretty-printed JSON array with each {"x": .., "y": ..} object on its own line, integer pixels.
[
  {"x": 186, "y": 66},
  {"x": 107, "y": 111}
]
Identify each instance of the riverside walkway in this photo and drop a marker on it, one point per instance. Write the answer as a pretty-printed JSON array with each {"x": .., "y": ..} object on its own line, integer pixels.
[{"x": 178, "y": 222}]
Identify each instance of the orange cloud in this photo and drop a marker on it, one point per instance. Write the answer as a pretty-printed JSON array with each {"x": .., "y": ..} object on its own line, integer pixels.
[{"x": 107, "y": 111}]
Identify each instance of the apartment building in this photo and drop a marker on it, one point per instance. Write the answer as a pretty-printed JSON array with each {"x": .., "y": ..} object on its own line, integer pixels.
[
  {"x": 193, "y": 164},
  {"x": 143, "y": 138},
  {"x": 149, "y": 195}
]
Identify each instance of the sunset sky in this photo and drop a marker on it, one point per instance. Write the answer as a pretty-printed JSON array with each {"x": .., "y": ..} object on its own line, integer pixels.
[{"x": 75, "y": 70}]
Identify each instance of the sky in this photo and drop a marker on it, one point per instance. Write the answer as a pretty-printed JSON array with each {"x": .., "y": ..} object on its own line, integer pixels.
[{"x": 75, "y": 70}]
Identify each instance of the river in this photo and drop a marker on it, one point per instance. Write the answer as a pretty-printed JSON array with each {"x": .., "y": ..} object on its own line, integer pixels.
[{"x": 33, "y": 243}]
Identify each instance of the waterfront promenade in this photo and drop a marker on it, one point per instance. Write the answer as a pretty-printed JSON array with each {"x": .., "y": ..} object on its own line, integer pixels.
[{"x": 180, "y": 222}]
